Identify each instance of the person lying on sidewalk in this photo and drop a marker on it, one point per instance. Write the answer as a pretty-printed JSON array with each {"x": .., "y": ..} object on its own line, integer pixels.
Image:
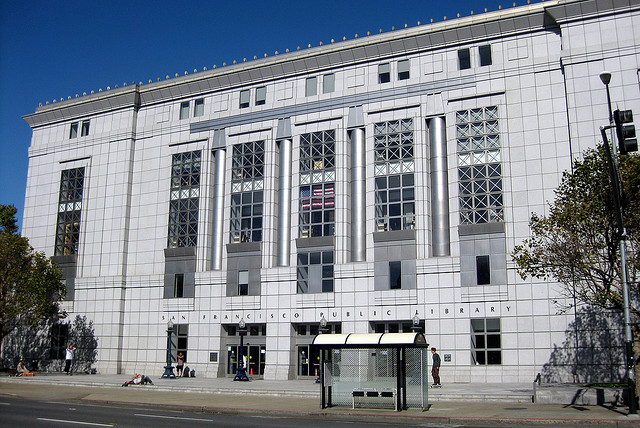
[
  {"x": 139, "y": 379},
  {"x": 22, "y": 369}
]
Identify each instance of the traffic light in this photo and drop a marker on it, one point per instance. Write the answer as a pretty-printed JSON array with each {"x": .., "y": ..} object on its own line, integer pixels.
[{"x": 626, "y": 133}]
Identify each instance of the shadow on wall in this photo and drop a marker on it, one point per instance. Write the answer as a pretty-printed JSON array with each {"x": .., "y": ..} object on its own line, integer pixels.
[
  {"x": 593, "y": 349},
  {"x": 43, "y": 349}
]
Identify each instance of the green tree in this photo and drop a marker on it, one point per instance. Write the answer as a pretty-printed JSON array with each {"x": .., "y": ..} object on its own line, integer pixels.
[
  {"x": 31, "y": 286},
  {"x": 577, "y": 241}
]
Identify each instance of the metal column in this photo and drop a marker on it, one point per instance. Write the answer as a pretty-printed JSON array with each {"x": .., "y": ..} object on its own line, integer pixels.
[
  {"x": 218, "y": 207},
  {"x": 439, "y": 187},
  {"x": 284, "y": 192}
]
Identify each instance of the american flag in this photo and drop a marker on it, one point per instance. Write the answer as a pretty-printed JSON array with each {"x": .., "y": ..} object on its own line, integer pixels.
[{"x": 320, "y": 197}]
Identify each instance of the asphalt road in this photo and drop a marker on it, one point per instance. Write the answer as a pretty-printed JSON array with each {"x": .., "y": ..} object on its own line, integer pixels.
[{"x": 23, "y": 413}]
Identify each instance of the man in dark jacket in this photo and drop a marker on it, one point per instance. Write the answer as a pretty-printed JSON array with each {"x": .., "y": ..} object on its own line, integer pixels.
[{"x": 435, "y": 370}]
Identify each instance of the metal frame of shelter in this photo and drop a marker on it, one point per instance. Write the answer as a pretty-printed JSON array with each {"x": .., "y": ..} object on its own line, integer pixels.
[{"x": 374, "y": 367}]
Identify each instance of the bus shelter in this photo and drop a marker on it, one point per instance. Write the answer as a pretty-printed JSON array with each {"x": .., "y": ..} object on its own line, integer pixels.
[{"x": 374, "y": 370}]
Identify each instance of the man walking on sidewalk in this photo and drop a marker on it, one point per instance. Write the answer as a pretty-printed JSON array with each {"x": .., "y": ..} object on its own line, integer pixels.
[{"x": 435, "y": 370}]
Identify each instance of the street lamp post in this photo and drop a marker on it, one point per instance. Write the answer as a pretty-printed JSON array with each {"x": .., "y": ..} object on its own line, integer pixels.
[
  {"x": 612, "y": 160},
  {"x": 168, "y": 369},
  {"x": 241, "y": 372},
  {"x": 324, "y": 329},
  {"x": 416, "y": 324}
]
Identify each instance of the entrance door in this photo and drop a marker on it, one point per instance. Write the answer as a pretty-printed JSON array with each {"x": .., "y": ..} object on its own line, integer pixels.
[
  {"x": 254, "y": 359},
  {"x": 308, "y": 361}
]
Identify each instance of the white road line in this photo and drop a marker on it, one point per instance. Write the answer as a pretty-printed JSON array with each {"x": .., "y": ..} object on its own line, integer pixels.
[
  {"x": 5, "y": 404},
  {"x": 75, "y": 422},
  {"x": 172, "y": 417}
]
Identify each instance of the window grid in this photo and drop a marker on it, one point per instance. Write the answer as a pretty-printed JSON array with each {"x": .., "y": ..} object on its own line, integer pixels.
[
  {"x": 315, "y": 272},
  {"x": 184, "y": 199},
  {"x": 403, "y": 69},
  {"x": 69, "y": 211},
  {"x": 243, "y": 283},
  {"x": 486, "y": 346},
  {"x": 247, "y": 178},
  {"x": 317, "y": 200},
  {"x": 394, "y": 165},
  {"x": 261, "y": 95},
  {"x": 311, "y": 86},
  {"x": 479, "y": 168},
  {"x": 464, "y": 59}
]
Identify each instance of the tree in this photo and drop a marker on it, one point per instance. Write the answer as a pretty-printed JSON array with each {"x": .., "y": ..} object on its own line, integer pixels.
[
  {"x": 31, "y": 285},
  {"x": 577, "y": 242}
]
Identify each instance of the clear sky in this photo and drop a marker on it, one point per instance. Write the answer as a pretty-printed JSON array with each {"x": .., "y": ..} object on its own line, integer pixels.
[{"x": 55, "y": 49}]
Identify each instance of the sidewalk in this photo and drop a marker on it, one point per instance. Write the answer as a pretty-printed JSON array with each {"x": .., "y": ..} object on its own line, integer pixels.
[{"x": 456, "y": 404}]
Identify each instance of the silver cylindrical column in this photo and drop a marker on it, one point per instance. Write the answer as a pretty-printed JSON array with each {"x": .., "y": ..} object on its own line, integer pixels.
[
  {"x": 218, "y": 207},
  {"x": 284, "y": 204},
  {"x": 358, "y": 202},
  {"x": 439, "y": 188}
]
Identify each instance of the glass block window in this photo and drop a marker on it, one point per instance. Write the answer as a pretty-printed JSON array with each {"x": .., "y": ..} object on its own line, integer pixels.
[
  {"x": 247, "y": 181},
  {"x": 485, "y": 341},
  {"x": 315, "y": 272},
  {"x": 317, "y": 187},
  {"x": 69, "y": 211},
  {"x": 184, "y": 199},
  {"x": 479, "y": 167},
  {"x": 394, "y": 166}
]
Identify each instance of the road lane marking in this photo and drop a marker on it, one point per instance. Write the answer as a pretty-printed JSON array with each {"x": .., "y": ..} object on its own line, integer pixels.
[
  {"x": 5, "y": 404},
  {"x": 172, "y": 417},
  {"x": 75, "y": 422}
]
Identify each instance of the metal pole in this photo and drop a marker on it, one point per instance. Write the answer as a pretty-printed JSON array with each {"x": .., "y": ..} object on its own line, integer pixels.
[
  {"x": 168, "y": 369},
  {"x": 241, "y": 373},
  {"x": 614, "y": 167}
]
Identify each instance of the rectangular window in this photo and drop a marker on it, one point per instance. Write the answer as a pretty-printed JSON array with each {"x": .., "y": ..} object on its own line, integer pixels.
[
  {"x": 243, "y": 283},
  {"x": 247, "y": 181},
  {"x": 317, "y": 201},
  {"x": 328, "y": 83},
  {"x": 85, "y": 128},
  {"x": 479, "y": 167},
  {"x": 395, "y": 275},
  {"x": 184, "y": 110},
  {"x": 315, "y": 272},
  {"x": 311, "y": 86},
  {"x": 485, "y": 55},
  {"x": 73, "y": 131},
  {"x": 178, "y": 285},
  {"x": 384, "y": 73},
  {"x": 184, "y": 199},
  {"x": 486, "y": 347},
  {"x": 403, "y": 69},
  {"x": 464, "y": 59},
  {"x": 394, "y": 181},
  {"x": 59, "y": 335},
  {"x": 483, "y": 271},
  {"x": 198, "y": 109},
  {"x": 69, "y": 211},
  {"x": 245, "y": 98},
  {"x": 261, "y": 95}
]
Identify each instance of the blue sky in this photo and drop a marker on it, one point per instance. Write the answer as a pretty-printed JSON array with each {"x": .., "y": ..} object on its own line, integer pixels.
[{"x": 56, "y": 49}]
